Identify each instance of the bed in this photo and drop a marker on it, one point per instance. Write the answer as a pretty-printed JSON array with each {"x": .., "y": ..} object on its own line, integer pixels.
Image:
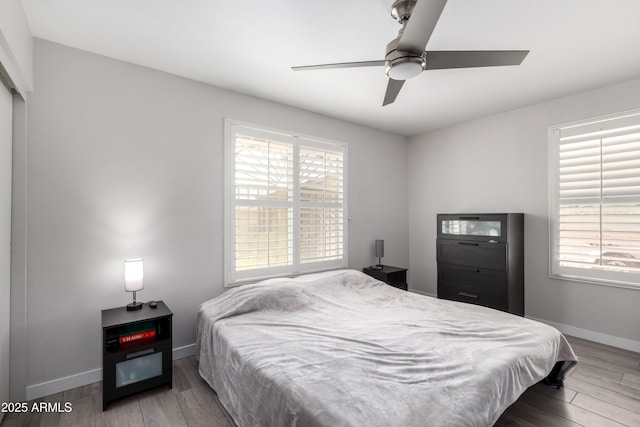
[{"x": 341, "y": 348}]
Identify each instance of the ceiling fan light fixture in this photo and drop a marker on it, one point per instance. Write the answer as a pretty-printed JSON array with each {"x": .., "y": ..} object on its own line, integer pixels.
[{"x": 404, "y": 68}]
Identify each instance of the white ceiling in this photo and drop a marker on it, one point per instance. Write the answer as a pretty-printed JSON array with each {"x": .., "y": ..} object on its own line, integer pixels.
[{"x": 248, "y": 46}]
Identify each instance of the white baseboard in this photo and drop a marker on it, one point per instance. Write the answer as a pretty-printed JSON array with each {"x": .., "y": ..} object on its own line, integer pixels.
[
  {"x": 62, "y": 384},
  {"x": 83, "y": 378},
  {"x": 184, "y": 351},
  {"x": 593, "y": 336}
]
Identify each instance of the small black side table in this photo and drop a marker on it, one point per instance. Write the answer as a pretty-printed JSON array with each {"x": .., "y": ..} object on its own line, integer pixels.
[
  {"x": 136, "y": 350},
  {"x": 394, "y": 276}
]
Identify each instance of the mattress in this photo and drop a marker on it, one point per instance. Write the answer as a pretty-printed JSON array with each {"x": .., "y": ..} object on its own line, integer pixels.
[{"x": 344, "y": 349}]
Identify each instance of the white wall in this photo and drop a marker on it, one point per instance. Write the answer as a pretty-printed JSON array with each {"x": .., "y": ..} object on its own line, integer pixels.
[
  {"x": 499, "y": 164},
  {"x": 18, "y": 252},
  {"x": 16, "y": 45},
  {"x": 123, "y": 162}
]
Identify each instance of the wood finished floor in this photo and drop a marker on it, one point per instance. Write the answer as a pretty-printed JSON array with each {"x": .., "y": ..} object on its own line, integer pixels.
[{"x": 604, "y": 390}]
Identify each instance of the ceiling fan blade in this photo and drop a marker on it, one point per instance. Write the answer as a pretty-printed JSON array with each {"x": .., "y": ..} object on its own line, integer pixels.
[
  {"x": 444, "y": 59},
  {"x": 393, "y": 88},
  {"x": 423, "y": 20},
  {"x": 340, "y": 65}
]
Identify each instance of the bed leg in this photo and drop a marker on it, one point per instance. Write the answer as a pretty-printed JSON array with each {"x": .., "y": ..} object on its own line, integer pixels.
[{"x": 553, "y": 380}]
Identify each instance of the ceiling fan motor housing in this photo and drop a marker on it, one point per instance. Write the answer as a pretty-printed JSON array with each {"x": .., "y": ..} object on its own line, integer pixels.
[{"x": 402, "y": 64}]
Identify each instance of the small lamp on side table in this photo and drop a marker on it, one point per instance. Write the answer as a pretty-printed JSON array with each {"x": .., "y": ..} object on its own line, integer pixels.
[
  {"x": 133, "y": 275},
  {"x": 379, "y": 253}
]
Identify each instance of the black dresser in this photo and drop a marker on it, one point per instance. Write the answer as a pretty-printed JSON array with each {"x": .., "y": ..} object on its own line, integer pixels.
[{"x": 481, "y": 259}]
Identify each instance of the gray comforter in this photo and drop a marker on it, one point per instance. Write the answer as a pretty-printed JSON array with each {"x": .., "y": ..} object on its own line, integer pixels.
[{"x": 343, "y": 349}]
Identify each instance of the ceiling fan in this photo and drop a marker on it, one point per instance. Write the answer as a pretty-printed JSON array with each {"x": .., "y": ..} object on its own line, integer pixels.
[{"x": 406, "y": 56}]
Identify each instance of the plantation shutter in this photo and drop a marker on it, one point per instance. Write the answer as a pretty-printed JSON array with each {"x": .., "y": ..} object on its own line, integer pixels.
[
  {"x": 596, "y": 203},
  {"x": 321, "y": 200},
  {"x": 285, "y": 204},
  {"x": 264, "y": 202}
]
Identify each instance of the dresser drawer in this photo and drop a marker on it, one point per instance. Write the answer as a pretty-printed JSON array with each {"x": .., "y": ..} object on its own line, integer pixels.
[
  {"x": 491, "y": 282},
  {"x": 476, "y": 227},
  {"x": 472, "y": 294},
  {"x": 473, "y": 254}
]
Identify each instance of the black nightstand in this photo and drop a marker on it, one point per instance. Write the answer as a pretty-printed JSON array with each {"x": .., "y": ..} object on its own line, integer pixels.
[
  {"x": 136, "y": 350},
  {"x": 394, "y": 276}
]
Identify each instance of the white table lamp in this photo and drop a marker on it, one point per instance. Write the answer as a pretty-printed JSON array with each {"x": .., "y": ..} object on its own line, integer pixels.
[
  {"x": 379, "y": 252},
  {"x": 133, "y": 280}
]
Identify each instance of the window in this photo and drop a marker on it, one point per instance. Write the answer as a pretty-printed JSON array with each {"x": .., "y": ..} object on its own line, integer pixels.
[
  {"x": 595, "y": 200},
  {"x": 285, "y": 203}
]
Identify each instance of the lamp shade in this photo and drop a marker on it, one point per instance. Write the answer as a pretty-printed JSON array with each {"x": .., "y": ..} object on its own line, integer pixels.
[
  {"x": 133, "y": 275},
  {"x": 379, "y": 248}
]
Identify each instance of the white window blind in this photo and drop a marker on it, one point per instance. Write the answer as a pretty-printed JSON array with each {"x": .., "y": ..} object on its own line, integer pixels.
[
  {"x": 595, "y": 200},
  {"x": 285, "y": 203}
]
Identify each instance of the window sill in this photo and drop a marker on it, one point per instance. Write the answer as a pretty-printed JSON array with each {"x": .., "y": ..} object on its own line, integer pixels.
[{"x": 592, "y": 281}]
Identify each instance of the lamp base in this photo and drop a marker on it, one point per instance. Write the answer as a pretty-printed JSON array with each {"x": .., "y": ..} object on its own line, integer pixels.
[{"x": 134, "y": 306}]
